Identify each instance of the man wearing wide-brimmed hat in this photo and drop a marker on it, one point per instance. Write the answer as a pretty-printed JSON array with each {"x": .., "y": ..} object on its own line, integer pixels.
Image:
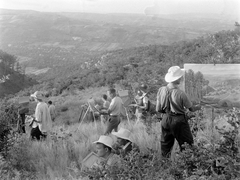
[
  {"x": 104, "y": 147},
  {"x": 42, "y": 121},
  {"x": 172, "y": 102},
  {"x": 124, "y": 144}
]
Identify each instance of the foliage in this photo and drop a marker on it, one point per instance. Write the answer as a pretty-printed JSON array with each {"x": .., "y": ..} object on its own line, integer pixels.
[
  {"x": 12, "y": 75},
  {"x": 145, "y": 64},
  {"x": 204, "y": 160},
  {"x": 8, "y": 120}
]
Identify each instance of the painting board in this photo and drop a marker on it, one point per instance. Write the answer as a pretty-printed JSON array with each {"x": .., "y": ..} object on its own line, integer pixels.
[
  {"x": 217, "y": 84},
  {"x": 23, "y": 100},
  {"x": 90, "y": 159},
  {"x": 124, "y": 95},
  {"x": 91, "y": 104}
]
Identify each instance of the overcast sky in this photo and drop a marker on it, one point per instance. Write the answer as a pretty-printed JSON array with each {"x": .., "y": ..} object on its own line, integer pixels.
[{"x": 221, "y": 7}]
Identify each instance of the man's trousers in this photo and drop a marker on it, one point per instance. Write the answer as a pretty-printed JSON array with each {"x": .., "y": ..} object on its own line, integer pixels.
[{"x": 174, "y": 126}]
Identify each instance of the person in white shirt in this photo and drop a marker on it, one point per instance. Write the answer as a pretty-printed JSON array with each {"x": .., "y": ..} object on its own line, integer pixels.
[
  {"x": 114, "y": 112},
  {"x": 42, "y": 122}
]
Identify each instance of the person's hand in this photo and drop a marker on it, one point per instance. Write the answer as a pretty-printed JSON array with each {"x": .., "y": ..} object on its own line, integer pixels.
[
  {"x": 103, "y": 112},
  {"x": 197, "y": 107}
]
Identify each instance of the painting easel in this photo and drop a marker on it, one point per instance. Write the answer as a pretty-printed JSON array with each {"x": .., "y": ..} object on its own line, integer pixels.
[{"x": 90, "y": 108}]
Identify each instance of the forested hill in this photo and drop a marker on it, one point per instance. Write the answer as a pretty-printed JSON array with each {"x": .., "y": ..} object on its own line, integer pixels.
[
  {"x": 144, "y": 64},
  {"x": 141, "y": 64},
  {"x": 12, "y": 75}
]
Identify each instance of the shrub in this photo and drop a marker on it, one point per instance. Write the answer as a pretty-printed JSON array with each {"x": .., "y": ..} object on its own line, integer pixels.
[
  {"x": 63, "y": 108},
  {"x": 8, "y": 119}
]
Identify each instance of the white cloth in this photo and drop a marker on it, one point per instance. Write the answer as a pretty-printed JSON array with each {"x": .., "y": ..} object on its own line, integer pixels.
[
  {"x": 116, "y": 106},
  {"x": 42, "y": 114}
]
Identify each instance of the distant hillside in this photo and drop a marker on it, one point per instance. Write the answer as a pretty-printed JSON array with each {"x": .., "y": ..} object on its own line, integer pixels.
[
  {"x": 46, "y": 40},
  {"x": 146, "y": 64}
]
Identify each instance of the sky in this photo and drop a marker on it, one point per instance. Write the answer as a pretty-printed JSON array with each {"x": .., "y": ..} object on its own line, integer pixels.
[{"x": 149, "y": 7}]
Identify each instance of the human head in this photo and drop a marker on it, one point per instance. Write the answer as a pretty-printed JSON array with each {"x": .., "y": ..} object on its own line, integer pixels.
[
  {"x": 112, "y": 92},
  {"x": 139, "y": 92},
  {"x": 38, "y": 96},
  {"x": 49, "y": 102},
  {"x": 104, "y": 97},
  {"x": 143, "y": 88},
  {"x": 123, "y": 136},
  {"x": 174, "y": 75},
  {"x": 104, "y": 146}
]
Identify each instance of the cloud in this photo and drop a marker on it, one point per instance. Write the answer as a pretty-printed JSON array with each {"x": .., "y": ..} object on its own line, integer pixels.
[{"x": 152, "y": 10}]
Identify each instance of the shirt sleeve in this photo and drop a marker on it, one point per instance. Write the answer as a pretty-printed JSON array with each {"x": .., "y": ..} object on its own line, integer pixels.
[
  {"x": 112, "y": 106},
  {"x": 186, "y": 102},
  {"x": 145, "y": 102},
  {"x": 158, "y": 104}
]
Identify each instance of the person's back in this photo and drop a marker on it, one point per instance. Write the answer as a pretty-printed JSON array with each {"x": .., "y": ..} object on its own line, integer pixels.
[
  {"x": 42, "y": 114},
  {"x": 178, "y": 98}
]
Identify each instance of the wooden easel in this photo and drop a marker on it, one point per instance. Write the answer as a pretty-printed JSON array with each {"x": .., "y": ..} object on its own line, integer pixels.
[{"x": 92, "y": 109}]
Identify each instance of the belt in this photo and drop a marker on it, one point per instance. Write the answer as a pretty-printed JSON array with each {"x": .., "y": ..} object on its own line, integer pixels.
[
  {"x": 114, "y": 115},
  {"x": 176, "y": 114}
]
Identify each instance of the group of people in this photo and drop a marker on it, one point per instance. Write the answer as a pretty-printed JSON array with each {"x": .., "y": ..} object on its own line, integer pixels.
[
  {"x": 110, "y": 152},
  {"x": 171, "y": 102},
  {"x": 41, "y": 122}
]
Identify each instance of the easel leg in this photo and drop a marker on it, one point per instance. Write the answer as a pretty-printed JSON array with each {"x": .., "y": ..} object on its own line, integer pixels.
[
  {"x": 84, "y": 116},
  {"x": 127, "y": 115}
]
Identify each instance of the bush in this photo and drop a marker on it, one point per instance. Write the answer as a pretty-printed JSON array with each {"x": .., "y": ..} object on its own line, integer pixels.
[
  {"x": 8, "y": 119},
  {"x": 63, "y": 108}
]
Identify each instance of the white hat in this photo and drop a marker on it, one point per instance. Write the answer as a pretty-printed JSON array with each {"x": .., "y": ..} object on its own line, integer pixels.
[
  {"x": 37, "y": 95},
  {"x": 123, "y": 134},
  {"x": 106, "y": 140},
  {"x": 174, "y": 73}
]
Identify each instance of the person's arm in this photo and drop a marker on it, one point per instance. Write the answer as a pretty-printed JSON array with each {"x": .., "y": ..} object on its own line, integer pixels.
[
  {"x": 188, "y": 104},
  {"x": 110, "y": 108},
  {"x": 158, "y": 104},
  {"x": 195, "y": 108},
  {"x": 38, "y": 115},
  {"x": 145, "y": 103}
]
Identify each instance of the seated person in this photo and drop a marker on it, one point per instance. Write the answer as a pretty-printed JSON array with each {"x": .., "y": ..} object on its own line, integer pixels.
[
  {"x": 104, "y": 150},
  {"x": 124, "y": 145}
]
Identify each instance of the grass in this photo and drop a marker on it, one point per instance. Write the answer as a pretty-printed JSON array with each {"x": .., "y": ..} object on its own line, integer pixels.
[{"x": 60, "y": 156}]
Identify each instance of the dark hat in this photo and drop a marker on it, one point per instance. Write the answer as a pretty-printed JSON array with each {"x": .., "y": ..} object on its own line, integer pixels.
[{"x": 143, "y": 87}]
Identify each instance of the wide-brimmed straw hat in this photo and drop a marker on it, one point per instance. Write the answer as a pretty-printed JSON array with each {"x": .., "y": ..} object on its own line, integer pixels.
[
  {"x": 37, "y": 95},
  {"x": 123, "y": 134},
  {"x": 174, "y": 73},
  {"x": 106, "y": 140}
]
